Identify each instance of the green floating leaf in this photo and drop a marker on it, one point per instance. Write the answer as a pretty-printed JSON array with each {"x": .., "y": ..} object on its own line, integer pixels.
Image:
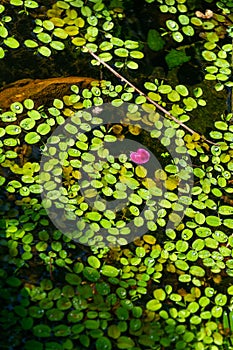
[
  {"x": 130, "y": 44},
  {"x": 78, "y": 41},
  {"x": 197, "y": 271},
  {"x": 213, "y": 220},
  {"x": 55, "y": 314},
  {"x": 11, "y": 42},
  {"x": 28, "y": 103},
  {"x": 93, "y": 261},
  {"x": 84, "y": 340},
  {"x": 2, "y": 53},
  {"x": 188, "y": 30},
  {"x": 108, "y": 25},
  {"x": 183, "y": 19},
  {"x": 27, "y": 322},
  {"x": 121, "y": 52},
  {"x": 2, "y": 180},
  {"x": 153, "y": 305},
  {"x": 122, "y": 313},
  {"x": 91, "y": 274},
  {"x": 42, "y": 331},
  {"x": 136, "y": 54},
  {"x": 222, "y": 77},
  {"x": 91, "y": 324},
  {"x": 60, "y": 33},
  {"x": 181, "y": 265},
  {"x": 73, "y": 279},
  {"x": 48, "y": 25},
  {"x": 124, "y": 342},
  {"x": 13, "y": 281},
  {"x": 177, "y": 36},
  {"x": 61, "y": 331},
  {"x": 43, "y": 129},
  {"x": 150, "y": 86},
  {"x": 75, "y": 316},
  {"x": 93, "y": 216},
  {"x": 117, "y": 41},
  {"x": 2, "y": 132},
  {"x": 13, "y": 129},
  {"x": 103, "y": 288},
  {"x": 184, "y": 278},
  {"x": 103, "y": 343},
  {"x": 16, "y": 2},
  {"x": 57, "y": 45},
  {"x": 164, "y": 89},
  {"x": 44, "y": 51},
  {"x": 220, "y": 299},
  {"x": 134, "y": 198},
  {"x": 132, "y": 65},
  {"x": 209, "y": 55},
  {"x": 32, "y": 138},
  {"x": 16, "y": 107},
  {"x": 154, "y": 40},
  {"x": 172, "y": 25},
  {"x": 230, "y": 290},
  {"x": 175, "y": 58},
  {"x": 3, "y": 32},
  {"x": 31, "y": 4},
  {"x": 109, "y": 271},
  {"x": 174, "y": 97},
  {"x": 114, "y": 331},
  {"x": 44, "y": 37},
  {"x": 217, "y": 311},
  {"x": 190, "y": 103},
  {"x": 110, "y": 138},
  {"x": 105, "y": 56},
  {"x": 159, "y": 294},
  {"x": 210, "y": 76},
  {"x": 105, "y": 46},
  {"x": 225, "y": 210}
]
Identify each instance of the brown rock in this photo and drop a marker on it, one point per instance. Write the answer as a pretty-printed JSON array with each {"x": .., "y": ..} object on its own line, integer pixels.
[{"x": 41, "y": 91}]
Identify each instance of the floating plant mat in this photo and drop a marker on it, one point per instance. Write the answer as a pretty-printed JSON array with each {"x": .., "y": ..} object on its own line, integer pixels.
[
  {"x": 165, "y": 284},
  {"x": 169, "y": 288},
  {"x": 108, "y": 197}
]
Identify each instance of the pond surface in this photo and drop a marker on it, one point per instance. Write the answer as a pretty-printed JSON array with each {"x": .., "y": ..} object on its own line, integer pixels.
[{"x": 161, "y": 287}]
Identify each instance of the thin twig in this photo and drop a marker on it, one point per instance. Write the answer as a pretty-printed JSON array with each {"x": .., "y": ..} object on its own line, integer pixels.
[
  {"x": 231, "y": 96},
  {"x": 143, "y": 94}
]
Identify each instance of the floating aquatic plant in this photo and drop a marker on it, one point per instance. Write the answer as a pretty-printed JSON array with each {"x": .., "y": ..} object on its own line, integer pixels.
[
  {"x": 6, "y": 39},
  {"x": 200, "y": 244},
  {"x": 155, "y": 40},
  {"x": 78, "y": 24},
  {"x": 170, "y": 288}
]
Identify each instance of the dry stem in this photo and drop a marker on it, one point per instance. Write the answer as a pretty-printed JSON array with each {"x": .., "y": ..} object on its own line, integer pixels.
[{"x": 147, "y": 97}]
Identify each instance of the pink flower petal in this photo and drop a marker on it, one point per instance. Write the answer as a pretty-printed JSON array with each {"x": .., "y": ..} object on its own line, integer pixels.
[{"x": 141, "y": 156}]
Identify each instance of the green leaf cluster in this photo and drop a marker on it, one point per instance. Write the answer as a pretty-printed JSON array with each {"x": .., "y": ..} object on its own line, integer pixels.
[
  {"x": 170, "y": 288},
  {"x": 7, "y": 41}
]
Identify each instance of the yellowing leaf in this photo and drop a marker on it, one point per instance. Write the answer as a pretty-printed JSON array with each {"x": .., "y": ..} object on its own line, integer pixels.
[
  {"x": 134, "y": 129},
  {"x": 58, "y": 22},
  {"x": 79, "y": 22},
  {"x": 160, "y": 174},
  {"x": 76, "y": 174},
  {"x": 140, "y": 171},
  {"x": 171, "y": 182},
  {"x": 149, "y": 183},
  {"x": 196, "y": 136},
  {"x": 149, "y": 239}
]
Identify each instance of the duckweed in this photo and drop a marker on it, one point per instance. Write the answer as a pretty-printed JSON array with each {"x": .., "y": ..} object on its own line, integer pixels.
[{"x": 169, "y": 285}]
